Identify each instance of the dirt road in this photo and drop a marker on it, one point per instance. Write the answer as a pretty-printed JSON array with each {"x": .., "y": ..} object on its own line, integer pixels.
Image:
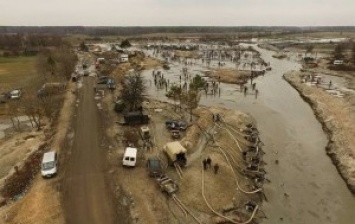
[{"x": 86, "y": 196}]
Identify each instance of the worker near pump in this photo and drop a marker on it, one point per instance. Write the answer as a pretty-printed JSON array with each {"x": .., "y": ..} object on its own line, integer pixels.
[
  {"x": 209, "y": 162},
  {"x": 216, "y": 168},
  {"x": 204, "y": 162}
]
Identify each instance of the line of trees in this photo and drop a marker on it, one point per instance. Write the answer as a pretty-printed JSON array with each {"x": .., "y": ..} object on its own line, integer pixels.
[
  {"x": 27, "y": 44},
  {"x": 133, "y": 30},
  {"x": 53, "y": 67},
  {"x": 134, "y": 89}
]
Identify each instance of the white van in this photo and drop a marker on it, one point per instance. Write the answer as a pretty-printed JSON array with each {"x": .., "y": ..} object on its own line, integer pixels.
[
  {"x": 49, "y": 164},
  {"x": 130, "y": 157}
]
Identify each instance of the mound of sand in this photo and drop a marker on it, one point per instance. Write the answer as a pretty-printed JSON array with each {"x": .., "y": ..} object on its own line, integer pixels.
[{"x": 229, "y": 75}]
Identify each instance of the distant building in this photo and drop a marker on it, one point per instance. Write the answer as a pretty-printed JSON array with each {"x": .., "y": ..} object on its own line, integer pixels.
[
  {"x": 338, "y": 62},
  {"x": 124, "y": 58}
]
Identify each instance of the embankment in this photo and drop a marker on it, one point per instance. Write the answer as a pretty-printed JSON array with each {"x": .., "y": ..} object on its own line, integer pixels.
[{"x": 337, "y": 117}]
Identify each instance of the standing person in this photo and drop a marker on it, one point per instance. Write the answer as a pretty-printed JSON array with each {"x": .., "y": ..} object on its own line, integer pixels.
[
  {"x": 216, "y": 168},
  {"x": 209, "y": 162},
  {"x": 254, "y": 85},
  {"x": 245, "y": 90},
  {"x": 330, "y": 84},
  {"x": 204, "y": 162},
  {"x": 245, "y": 156},
  {"x": 256, "y": 93}
]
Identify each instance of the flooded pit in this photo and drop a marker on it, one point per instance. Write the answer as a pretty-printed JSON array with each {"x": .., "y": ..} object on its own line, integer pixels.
[{"x": 305, "y": 186}]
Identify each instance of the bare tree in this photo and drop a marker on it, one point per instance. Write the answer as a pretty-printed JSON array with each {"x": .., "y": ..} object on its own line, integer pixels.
[
  {"x": 133, "y": 88},
  {"x": 309, "y": 49},
  {"x": 14, "y": 111},
  {"x": 338, "y": 52},
  {"x": 191, "y": 100},
  {"x": 33, "y": 109},
  {"x": 65, "y": 61},
  {"x": 175, "y": 92},
  {"x": 56, "y": 64}
]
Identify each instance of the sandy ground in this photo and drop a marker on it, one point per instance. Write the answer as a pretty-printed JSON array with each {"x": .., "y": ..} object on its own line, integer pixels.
[
  {"x": 146, "y": 202},
  {"x": 16, "y": 149},
  {"x": 152, "y": 206},
  {"x": 337, "y": 116}
]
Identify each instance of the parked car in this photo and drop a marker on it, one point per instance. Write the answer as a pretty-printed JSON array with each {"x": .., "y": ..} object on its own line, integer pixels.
[
  {"x": 49, "y": 164},
  {"x": 175, "y": 135},
  {"x": 86, "y": 72},
  {"x": 136, "y": 117},
  {"x": 51, "y": 88},
  {"x": 4, "y": 97},
  {"x": 103, "y": 79},
  {"x": 175, "y": 125},
  {"x": 15, "y": 94},
  {"x": 130, "y": 157},
  {"x": 154, "y": 167},
  {"x": 111, "y": 84},
  {"x": 119, "y": 106}
]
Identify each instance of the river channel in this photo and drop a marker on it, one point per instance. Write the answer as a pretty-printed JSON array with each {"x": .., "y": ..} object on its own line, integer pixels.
[{"x": 305, "y": 186}]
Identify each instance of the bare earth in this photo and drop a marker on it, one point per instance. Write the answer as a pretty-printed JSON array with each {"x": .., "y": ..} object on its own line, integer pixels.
[
  {"x": 42, "y": 192},
  {"x": 85, "y": 195}
]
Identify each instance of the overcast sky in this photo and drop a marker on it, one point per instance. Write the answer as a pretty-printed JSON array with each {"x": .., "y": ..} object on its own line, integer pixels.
[{"x": 177, "y": 12}]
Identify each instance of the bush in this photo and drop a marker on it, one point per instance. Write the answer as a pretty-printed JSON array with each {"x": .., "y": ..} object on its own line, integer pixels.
[
  {"x": 19, "y": 181},
  {"x": 125, "y": 43},
  {"x": 6, "y": 54}
]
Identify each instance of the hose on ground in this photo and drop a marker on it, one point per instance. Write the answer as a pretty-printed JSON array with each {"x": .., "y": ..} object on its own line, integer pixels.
[{"x": 219, "y": 214}]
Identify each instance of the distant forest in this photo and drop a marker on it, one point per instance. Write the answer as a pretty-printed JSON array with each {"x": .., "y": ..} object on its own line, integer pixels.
[{"x": 136, "y": 30}]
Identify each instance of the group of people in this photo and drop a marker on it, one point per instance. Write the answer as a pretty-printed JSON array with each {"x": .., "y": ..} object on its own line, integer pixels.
[
  {"x": 207, "y": 164},
  {"x": 159, "y": 80}
]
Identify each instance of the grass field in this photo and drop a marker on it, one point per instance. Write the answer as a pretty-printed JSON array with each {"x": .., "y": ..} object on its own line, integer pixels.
[{"x": 16, "y": 72}]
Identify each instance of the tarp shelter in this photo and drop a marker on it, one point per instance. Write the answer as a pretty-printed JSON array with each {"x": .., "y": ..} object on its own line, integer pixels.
[{"x": 175, "y": 152}]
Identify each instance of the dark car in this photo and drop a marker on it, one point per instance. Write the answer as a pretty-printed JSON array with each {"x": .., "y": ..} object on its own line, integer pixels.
[
  {"x": 176, "y": 125},
  {"x": 175, "y": 135},
  {"x": 103, "y": 79},
  {"x": 119, "y": 106},
  {"x": 4, "y": 97},
  {"x": 154, "y": 167},
  {"x": 111, "y": 84}
]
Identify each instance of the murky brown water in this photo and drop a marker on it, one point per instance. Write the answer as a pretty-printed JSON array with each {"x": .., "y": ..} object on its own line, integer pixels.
[{"x": 305, "y": 186}]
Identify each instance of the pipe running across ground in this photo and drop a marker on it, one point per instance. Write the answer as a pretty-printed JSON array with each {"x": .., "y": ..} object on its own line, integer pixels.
[{"x": 219, "y": 214}]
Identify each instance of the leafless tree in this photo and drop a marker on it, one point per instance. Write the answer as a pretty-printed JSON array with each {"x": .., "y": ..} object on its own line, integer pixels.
[
  {"x": 191, "y": 100},
  {"x": 133, "y": 89}
]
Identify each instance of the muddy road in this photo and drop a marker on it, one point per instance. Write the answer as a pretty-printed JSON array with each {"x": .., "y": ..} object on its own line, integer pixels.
[
  {"x": 86, "y": 194},
  {"x": 305, "y": 186}
]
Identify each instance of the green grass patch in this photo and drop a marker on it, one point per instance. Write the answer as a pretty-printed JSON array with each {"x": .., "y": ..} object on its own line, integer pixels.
[{"x": 16, "y": 72}]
